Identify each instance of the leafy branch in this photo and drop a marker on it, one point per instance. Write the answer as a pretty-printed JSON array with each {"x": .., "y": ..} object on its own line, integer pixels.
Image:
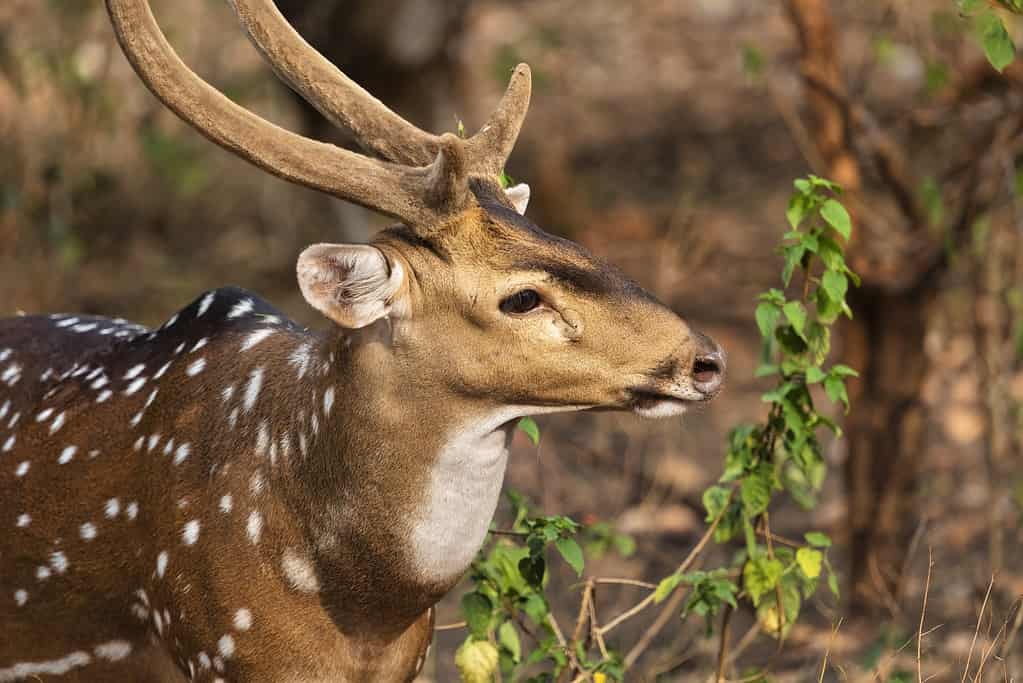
[{"x": 771, "y": 575}]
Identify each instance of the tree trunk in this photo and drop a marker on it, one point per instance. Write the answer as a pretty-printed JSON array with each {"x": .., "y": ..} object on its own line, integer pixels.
[{"x": 884, "y": 342}]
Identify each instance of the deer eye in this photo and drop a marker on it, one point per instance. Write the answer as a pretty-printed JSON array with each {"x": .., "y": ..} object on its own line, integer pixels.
[{"x": 521, "y": 302}]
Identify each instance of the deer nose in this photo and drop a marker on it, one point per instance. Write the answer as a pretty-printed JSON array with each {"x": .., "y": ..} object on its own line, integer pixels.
[{"x": 708, "y": 367}]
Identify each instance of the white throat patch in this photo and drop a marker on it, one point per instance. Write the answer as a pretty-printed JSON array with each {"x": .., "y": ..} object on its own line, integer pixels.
[{"x": 461, "y": 497}]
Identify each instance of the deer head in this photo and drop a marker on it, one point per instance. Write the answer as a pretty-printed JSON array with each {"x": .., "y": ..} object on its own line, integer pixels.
[{"x": 480, "y": 303}]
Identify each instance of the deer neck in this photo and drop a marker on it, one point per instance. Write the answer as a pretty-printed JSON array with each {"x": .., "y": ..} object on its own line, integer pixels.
[{"x": 398, "y": 490}]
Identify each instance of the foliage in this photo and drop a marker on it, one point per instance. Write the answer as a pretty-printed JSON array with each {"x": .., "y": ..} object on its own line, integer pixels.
[
  {"x": 990, "y": 28},
  {"x": 770, "y": 574}
]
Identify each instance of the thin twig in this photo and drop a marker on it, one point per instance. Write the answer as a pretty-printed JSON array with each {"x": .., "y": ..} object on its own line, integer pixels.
[
  {"x": 627, "y": 582},
  {"x": 580, "y": 621},
  {"x": 827, "y": 652},
  {"x": 450, "y": 627},
  {"x": 595, "y": 627},
  {"x": 693, "y": 554},
  {"x": 976, "y": 631},
  {"x": 726, "y": 623},
  {"x": 923, "y": 612}
]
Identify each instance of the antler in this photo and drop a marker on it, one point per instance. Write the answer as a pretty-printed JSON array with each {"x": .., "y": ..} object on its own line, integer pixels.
[
  {"x": 425, "y": 177},
  {"x": 346, "y": 104}
]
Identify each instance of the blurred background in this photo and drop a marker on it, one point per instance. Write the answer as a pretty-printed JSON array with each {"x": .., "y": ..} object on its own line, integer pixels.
[{"x": 664, "y": 136}]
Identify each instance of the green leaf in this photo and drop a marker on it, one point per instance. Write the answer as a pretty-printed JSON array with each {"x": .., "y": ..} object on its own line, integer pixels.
[
  {"x": 795, "y": 312},
  {"x": 532, "y": 568},
  {"x": 837, "y": 217},
  {"x": 817, "y": 539},
  {"x": 572, "y": 553},
  {"x": 777, "y": 394},
  {"x": 532, "y": 430},
  {"x": 998, "y": 47},
  {"x": 814, "y": 374},
  {"x": 799, "y": 207},
  {"x": 968, "y": 6},
  {"x": 767, "y": 315},
  {"x": 760, "y": 575},
  {"x": 765, "y": 370},
  {"x": 477, "y": 609},
  {"x": 835, "y": 389},
  {"x": 839, "y": 370},
  {"x": 835, "y": 284},
  {"x": 755, "y": 492},
  {"x": 666, "y": 587},
  {"x": 809, "y": 561},
  {"x": 793, "y": 255},
  {"x": 833, "y": 584},
  {"x": 508, "y": 638},
  {"x": 714, "y": 500}
]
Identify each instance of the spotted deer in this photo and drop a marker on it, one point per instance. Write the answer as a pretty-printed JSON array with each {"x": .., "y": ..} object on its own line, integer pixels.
[{"x": 233, "y": 497}]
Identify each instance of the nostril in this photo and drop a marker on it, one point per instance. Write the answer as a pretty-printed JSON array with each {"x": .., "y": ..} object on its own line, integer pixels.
[
  {"x": 709, "y": 372},
  {"x": 706, "y": 370}
]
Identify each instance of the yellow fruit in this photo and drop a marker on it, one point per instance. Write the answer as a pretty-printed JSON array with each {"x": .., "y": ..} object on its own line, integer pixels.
[{"x": 476, "y": 661}]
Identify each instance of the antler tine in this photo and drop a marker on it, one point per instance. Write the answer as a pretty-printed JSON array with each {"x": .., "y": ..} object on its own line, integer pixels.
[
  {"x": 401, "y": 192},
  {"x": 490, "y": 148},
  {"x": 340, "y": 99}
]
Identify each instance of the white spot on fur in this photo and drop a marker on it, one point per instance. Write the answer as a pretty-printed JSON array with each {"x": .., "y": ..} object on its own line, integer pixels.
[
  {"x": 135, "y": 371},
  {"x": 190, "y": 533},
  {"x": 104, "y": 395},
  {"x": 44, "y": 415},
  {"x": 57, "y": 423},
  {"x": 226, "y": 503},
  {"x": 58, "y": 560},
  {"x": 182, "y": 453},
  {"x": 113, "y": 651},
  {"x": 254, "y": 527},
  {"x": 328, "y": 400},
  {"x": 300, "y": 359},
  {"x": 132, "y": 510},
  {"x": 24, "y": 520},
  {"x": 87, "y": 531},
  {"x": 225, "y": 646},
  {"x": 195, "y": 367},
  {"x": 22, "y": 469},
  {"x": 241, "y": 308},
  {"x": 135, "y": 385},
  {"x": 55, "y": 667},
  {"x": 204, "y": 304},
  {"x": 8, "y": 444},
  {"x": 112, "y": 508},
  {"x": 163, "y": 369},
  {"x": 67, "y": 454},
  {"x": 42, "y": 573},
  {"x": 256, "y": 483},
  {"x": 20, "y": 597},
  {"x": 254, "y": 338},
  {"x": 252, "y": 388},
  {"x": 300, "y": 572},
  {"x": 161, "y": 564},
  {"x": 243, "y": 619}
]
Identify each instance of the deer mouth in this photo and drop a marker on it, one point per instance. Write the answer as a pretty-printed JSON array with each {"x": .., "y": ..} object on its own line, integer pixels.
[{"x": 653, "y": 404}]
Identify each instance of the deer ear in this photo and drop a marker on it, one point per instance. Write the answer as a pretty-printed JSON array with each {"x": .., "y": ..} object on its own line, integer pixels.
[
  {"x": 519, "y": 196},
  {"x": 352, "y": 284}
]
